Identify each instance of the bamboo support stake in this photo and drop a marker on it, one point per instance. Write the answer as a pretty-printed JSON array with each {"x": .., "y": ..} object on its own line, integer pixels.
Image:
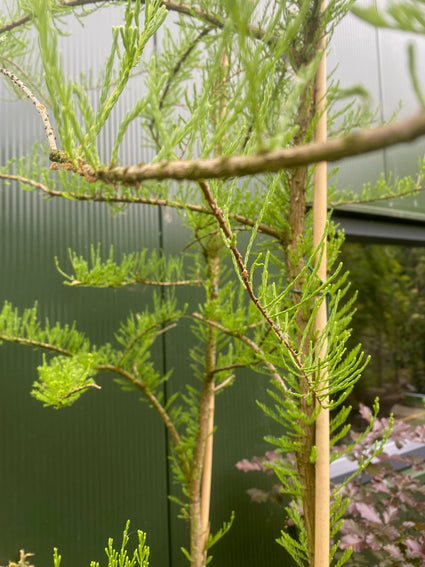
[
  {"x": 322, "y": 493},
  {"x": 207, "y": 472}
]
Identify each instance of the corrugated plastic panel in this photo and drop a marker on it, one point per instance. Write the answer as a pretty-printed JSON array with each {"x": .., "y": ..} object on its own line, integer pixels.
[
  {"x": 72, "y": 478},
  {"x": 377, "y": 59}
]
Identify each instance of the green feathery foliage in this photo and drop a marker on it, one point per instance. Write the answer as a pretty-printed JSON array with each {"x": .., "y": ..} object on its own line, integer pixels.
[
  {"x": 229, "y": 78},
  {"x": 120, "y": 558}
]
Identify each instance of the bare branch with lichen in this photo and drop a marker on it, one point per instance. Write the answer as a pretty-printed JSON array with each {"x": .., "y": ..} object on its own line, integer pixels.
[
  {"x": 224, "y": 167},
  {"x": 41, "y": 109}
]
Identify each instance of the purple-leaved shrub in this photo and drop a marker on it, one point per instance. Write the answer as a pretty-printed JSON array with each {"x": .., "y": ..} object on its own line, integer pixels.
[
  {"x": 386, "y": 513},
  {"x": 385, "y": 520}
]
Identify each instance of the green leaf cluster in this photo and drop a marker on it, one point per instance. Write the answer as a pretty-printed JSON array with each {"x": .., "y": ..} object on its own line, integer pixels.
[
  {"x": 62, "y": 380},
  {"x": 120, "y": 558},
  {"x": 70, "y": 100},
  {"x": 135, "y": 268}
]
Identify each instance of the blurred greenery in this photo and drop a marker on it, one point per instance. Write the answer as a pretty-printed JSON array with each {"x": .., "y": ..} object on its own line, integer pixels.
[{"x": 390, "y": 317}]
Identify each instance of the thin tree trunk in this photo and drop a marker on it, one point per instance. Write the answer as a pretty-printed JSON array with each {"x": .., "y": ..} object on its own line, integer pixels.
[
  {"x": 295, "y": 262},
  {"x": 200, "y": 485},
  {"x": 210, "y": 364},
  {"x": 201, "y": 522}
]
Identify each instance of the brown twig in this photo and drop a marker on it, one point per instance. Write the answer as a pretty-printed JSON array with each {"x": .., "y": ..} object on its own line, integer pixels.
[
  {"x": 35, "y": 343},
  {"x": 156, "y": 404},
  {"x": 41, "y": 109},
  {"x": 282, "y": 337},
  {"x": 178, "y": 7},
  {"x": 142, "y": 281},
  {"x": 252, "y": 344},
  {"x": 79, "y": 389},
  {"x": 115, "y": 198}
]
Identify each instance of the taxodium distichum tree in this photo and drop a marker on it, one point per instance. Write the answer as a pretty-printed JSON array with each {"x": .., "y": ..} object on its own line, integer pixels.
[{"x": 229, "y": 111}]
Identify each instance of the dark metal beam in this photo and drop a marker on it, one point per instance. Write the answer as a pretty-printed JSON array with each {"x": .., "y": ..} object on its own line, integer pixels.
[{"x": 366, "y": 227}]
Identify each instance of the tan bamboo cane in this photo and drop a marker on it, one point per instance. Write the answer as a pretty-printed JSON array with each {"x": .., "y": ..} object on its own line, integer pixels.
[
  {"x": 322, "y": 497},
  {"x": 207, "y": 475}
]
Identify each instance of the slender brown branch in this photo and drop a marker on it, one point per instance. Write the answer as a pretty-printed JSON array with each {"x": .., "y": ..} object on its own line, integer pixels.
[
  {"x": 244, "y": 276},
  {"x": 156, "y": 404},
  {"x": 79, "y": 389},
  {"x": 143, "y": 281},
  {"x": 282, "y": 337},
  {"x": 178, "y": 7},
  {"x": 15, "y": 24},
  {"x": 28, "y": 17},
  {"x": 34, "y": 343},
  {"x": 172, "y": 6},
  {"x": 252, "y": 344},
  {"x": 36, "y": 185},
  {"x": 41, "y": 109},
  {"x": 142, "y": 334},
  {"x": 115, "y": 198}
]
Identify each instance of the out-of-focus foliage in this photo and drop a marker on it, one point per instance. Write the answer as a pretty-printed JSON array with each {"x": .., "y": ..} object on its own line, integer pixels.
[{"x": 390, "y": 312}]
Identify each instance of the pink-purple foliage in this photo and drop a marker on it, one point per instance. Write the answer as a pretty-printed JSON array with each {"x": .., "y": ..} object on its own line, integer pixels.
[{"x": 385, "y": 519}]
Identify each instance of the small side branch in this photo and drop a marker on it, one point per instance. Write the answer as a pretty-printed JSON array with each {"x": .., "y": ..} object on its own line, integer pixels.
[
  {"x": 217, "y": 212},
  {"x": 41, "y": 109},
  {"x": 143, "y": 281},
  {"x": 281, "y": 336},
  {"x": 37, "y": 344},
  {"x": 80, "y": 389},
  {"x": 180, "y": 8},
  {"x": 156, "y": 202},
  {"x": 141, "y": 335},
  {"x": 271, "y": 367},
  {"x": 156, "y": 404}
]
